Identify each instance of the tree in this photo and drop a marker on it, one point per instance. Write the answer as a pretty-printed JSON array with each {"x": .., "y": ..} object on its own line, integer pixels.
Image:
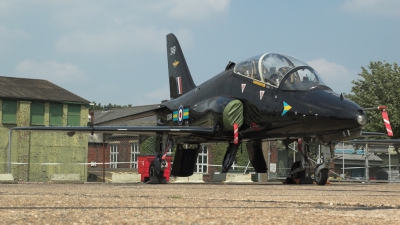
[
  {"x": 380, "y": 85},
  {"x": 97, "y": 106}
]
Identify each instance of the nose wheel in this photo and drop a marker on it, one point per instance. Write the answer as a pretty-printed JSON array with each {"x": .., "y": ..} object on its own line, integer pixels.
[
  {"x": 322, "y": 170},
  {"x": 321, "y": 175}
]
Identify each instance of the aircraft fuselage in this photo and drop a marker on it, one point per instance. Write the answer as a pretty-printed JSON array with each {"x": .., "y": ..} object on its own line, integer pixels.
[{"x": 309, "y": 113}]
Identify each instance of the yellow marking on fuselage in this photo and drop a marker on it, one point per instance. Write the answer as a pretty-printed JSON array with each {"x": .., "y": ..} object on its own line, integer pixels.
[{"x": 256, "y": 82}]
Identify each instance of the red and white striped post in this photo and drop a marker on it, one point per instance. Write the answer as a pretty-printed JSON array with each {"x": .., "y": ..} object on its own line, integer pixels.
[
  {"x": 386, "y": 120},
  {"x": 235, "y": 133}
]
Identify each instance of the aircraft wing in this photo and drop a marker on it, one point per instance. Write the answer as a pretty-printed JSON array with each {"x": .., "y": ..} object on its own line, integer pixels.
[{"x": 138, "y": 130}]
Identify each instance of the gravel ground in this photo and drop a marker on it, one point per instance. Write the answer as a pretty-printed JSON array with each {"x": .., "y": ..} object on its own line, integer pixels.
[{"x": 256, "y": 203}]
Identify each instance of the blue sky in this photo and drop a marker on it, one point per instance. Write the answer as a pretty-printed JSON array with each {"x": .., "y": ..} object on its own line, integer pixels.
[{"x": 115, "y": 51}]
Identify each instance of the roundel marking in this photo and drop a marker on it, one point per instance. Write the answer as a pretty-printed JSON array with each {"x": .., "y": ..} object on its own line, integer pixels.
[{"x": 180, "y": 115}]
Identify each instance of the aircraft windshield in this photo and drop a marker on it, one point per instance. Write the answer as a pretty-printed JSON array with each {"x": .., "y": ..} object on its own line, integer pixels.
[
  {"x": 302, "y": 78},
  {"x": 273, "y": 68}
]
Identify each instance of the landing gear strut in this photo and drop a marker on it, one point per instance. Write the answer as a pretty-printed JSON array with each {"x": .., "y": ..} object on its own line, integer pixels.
[
  {"x": 159, "y": 164},
  {"x": 156, "y": 170},
  {"x": 321, "y": 170},
  {"x": 229, "y": 157},
  {"x": 298, "y": 169}
]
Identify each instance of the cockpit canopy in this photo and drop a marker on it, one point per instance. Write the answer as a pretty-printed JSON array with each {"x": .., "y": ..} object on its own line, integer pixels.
[{"x": 280, "y": 70}]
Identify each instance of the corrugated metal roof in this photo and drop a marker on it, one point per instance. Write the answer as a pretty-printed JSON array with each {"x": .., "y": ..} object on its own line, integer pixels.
[
  {"x": 146, "y": 121},
  {"x": 35, "y": 89},
  {"x": 358, "y": 157}
]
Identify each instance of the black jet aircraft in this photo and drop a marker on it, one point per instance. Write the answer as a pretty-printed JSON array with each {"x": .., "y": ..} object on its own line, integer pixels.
[{"x": 266, "y": 97}]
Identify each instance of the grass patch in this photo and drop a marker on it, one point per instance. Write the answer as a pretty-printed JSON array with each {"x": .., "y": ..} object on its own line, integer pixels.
[{"x": 176, "y": 196}]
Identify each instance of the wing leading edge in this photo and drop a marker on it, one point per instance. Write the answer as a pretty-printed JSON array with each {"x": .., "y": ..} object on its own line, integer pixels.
[{"x": 139, "y": 130}]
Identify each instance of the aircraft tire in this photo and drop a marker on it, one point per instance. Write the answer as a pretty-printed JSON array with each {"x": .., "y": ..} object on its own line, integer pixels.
[
  {"x": 153, "y": 170},
  {"x": 321, "y": 177},
  {"x": 154, "y": 176}
]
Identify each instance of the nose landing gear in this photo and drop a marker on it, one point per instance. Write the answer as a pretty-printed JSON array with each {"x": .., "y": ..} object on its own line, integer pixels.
[
  {"x": 298, "y": 169},
  {"x": 321, "y": 170},
  {"x": 321, "y": 177}
]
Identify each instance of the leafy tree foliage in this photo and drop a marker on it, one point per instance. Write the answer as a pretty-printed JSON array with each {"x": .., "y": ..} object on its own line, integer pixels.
[
  {"x": 100, "y": 106},
  {"x": 218, "y": 150},
  {"x": 380, "y": 85}
]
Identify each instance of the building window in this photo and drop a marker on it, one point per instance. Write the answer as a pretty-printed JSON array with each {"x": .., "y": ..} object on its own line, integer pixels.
[
  {"x": 202, "y": 160},
  {"x": 9, "y": 109},
  {"x": 113, "y": 156},
  {"x": 134, "y": 155},
  {"x": 74, "y": 114},
  {"x": 37, "y": 113},
  {"x": 56, "y": 114}
]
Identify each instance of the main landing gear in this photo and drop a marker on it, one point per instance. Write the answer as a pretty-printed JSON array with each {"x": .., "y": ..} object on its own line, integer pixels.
[
  {"x": 184, "y": 160},
  {"x": 229, "y": 157},
  {"x": 156, "y": 170},
  {"x": 159, "y": 164}
]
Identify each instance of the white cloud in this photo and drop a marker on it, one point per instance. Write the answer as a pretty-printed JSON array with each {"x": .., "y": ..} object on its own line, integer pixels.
[
  {"x": 373, "y": 7},
  {"x": 197, "y": 9},
  {"x": 109, "y": 27},
  {"x": 334, "y": 75},
  {"x": 49, "y": 70},
  {"x": 109, "y": 41},
  {"x": 95, "y": 15},
  {"x": 118, "y": 40}
]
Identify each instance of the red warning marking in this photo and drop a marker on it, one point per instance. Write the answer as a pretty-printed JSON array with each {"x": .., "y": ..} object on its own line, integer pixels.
[{"x": 179, "y": 83}]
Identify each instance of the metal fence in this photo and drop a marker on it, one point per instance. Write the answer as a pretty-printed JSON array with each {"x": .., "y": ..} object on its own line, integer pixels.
[
  {"x": 33, "y": 156},
  {"x": 372, "y": 163},
  {"x": 351, "y": 162},
  {"x": 36, "y": 156}
]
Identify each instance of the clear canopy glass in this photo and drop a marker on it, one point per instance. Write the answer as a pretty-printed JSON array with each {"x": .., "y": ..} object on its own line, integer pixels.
[{"x": 280, "y": 70}]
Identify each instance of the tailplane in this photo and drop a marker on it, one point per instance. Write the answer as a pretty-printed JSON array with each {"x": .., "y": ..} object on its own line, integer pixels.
[{"x": 180, "y": 80}]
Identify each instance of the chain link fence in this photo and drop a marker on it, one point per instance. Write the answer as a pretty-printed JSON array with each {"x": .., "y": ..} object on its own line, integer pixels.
[
  {"x": 368, "y": 163},
  {"x": 116, "y": 153},
  {"x": 351, "y": 162},
  {"x": 33, "y": 156},
  {"x": 216, "y": 153}
]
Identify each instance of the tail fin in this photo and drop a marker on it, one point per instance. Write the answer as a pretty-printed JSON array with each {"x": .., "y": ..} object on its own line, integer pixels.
[{"x": 180, "y": 80}]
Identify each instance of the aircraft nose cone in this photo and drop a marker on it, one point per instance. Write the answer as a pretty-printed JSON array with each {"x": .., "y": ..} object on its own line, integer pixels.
[{"x": 362, "y": 118}]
